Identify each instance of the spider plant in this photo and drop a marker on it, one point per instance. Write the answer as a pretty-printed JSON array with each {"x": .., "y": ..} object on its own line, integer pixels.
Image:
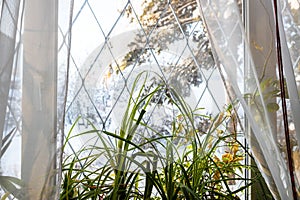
[
  {"x": 117, "y": 178},
  {"x": 199, "y": 170},
  {"x": 192, "y": 161}
]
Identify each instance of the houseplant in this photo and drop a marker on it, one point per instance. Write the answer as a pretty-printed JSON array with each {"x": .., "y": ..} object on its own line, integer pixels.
[{"x": 199, "y": 157}]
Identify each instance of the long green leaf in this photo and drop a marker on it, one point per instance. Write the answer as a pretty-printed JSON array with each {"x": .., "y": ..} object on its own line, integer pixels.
[{"x": 6, "y": 141}]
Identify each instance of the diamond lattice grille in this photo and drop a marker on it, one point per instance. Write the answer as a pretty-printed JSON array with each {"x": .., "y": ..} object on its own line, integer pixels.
[
  {"x": 120, "y": 54},
  {"x": 106, "y": 58},
  {"x": 109, "y": 47}
]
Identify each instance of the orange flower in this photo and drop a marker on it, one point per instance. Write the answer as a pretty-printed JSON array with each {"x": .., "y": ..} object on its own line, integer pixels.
[
  {"x": 238, "y": 158},
  {"x": 234, "y": 149},
  {"x": 227, "y": 158}
]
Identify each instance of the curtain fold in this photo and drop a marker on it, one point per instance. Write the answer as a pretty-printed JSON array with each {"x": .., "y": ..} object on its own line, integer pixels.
[
  {"x": 290, "y": 33},
  {"x": 28, "y": 96},
  {"x": 39, "y": 103},
  {"x": 230, "y": 42},
  {"x": 289, "y": 71},
  {"x": 9, "y": 94},
  {"x": 8, "y": 29}
]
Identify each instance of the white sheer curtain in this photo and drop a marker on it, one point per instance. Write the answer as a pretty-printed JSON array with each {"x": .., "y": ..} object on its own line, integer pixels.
[
  {"x": 9, "y": 48},
  {"x": 8, "y": 28},
  {"x": 238, "y": 53},
  {"x": 39, "y": 98},
  {"x": 28, "y": 90},
  {"x": 29, "y": 168}
]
